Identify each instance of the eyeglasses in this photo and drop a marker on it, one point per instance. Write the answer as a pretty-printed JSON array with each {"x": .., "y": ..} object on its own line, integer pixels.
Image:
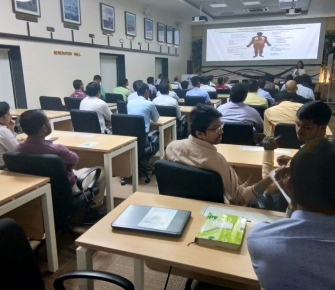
[{"x": 217, "y": 130}]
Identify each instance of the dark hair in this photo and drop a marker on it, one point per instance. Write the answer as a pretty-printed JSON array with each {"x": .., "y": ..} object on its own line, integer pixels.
[
  {"x": 122, "y": 82},
  {"x": 160, "y": 75},
  {"x": 4, "y": 108},
  {"x": 252, "y": 85},
  {"x": 312, "y": 174},
  {"x": 184, "y": 85},
  {"x": 318, "y": 112},
  {"x": 307, "y": 79},
  {"x": 203, "y": 80},
  {"x": 239, "y": 92},
  {"x": 32, "y": 121},
  {"x": 201, "y": 117},
  {"x": 210, "y": 77},
  {"x": 142, "y": 88},
  {"x": 92, "y": 89},
  {"x": 137, "y": 84},
  {"x": 164, "y": 87},
  {"x": 302, "y": 64},
  {"x": 176, "y": 78},
  {"x": 261, "y": 83},
  {"x": 220, "y": 80},
  {"x": 226, "y": 79},
  {"x": 195, "y": 81},
  {"x": 298, "y": 80},
  {"x": 282, "y": 96},
  {"x": 269, "y": 77},
  {"x": 97, "y": 78},
  {"x": 150, "y": 80},
  {"x": 289, "y": 78},
  {"x": 77, "y": 84}
]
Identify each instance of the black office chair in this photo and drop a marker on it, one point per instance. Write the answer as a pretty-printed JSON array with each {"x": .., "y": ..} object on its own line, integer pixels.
[
  {"x": 180, "y": 93},
  {"x": 19, "y": 270},
  {"x": 189, "y": 182},
  {"x": 272, "y": 92},
  {"x": 213, "y": 95},
  {"x": 72, "y": 103},
  {"x": 234, "y": 81},
  {"x": 259, "y": 109},
  {"x": 245, "y": 80},
  {"x": 113, "y": 98},
  {"x": 194, "y": 100},
  {"x": 223, "y": 91},
  {"x": 122, "y": 107},
  {"x": 288, "y": 136},
  {"x": 133, "y": 125},
  {"x": 64, "y": 201},
  {"x": 237, "y": 133},
  {"x": 51, "y": 103},
  {"x": 170, "y": 111},
  {"x": 85, "y": 121}
]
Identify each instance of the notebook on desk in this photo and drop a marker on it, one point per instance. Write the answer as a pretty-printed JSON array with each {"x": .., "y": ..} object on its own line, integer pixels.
[{"x": 157, "y": 220}]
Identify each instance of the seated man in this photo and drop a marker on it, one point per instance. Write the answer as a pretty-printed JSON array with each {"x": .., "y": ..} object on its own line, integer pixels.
[
  {"x": 79, "y": 89},
  {"x": 122, "y": 89},
  {"x": 7, "y": 136},
  {"x": 176, "y": 83},
  {"x": 160, "y": 76},
  {"x": 291, "y": 88},
  {"x": 253, "y": 98},
  {"x": 94, "y": 103},
  {"x": 36, "y": 125},
  {"x": 288, "y": 78},
  {"x": 237, "y": 111},
  {"x": 211, "y": 78},
  {"x": 172, "y": 93},
  {"x": 204, "y": 84},
  {"x": 97, "y": 79},
  {"x": 302, "y": 90},
  {"x": 196, "y": 91},
  {"x": 142, "y": 107},
  {"x": 221, "y": 85},
  {"x": 269, "y": 81},
  {"x": 150, "y": 82},
  {"x": 199, "y": 151},
  {"x": 134, "y": 95},
  {"x": 184, "y": 85},
  {"x": 296, "y": 252},
  {"x": 265, "y": 94}
]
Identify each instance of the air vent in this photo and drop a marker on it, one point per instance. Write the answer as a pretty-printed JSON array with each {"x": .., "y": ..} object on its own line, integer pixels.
[{"x": 257, "y": 10}]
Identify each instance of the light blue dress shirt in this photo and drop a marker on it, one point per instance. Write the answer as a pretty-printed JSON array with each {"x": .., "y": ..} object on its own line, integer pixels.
[
  {"x": 267, "y": 96},
  {"x": 142, "y": 107},
  {"x": 294, "y": 253},
  {"x": 197, "y": 92}
]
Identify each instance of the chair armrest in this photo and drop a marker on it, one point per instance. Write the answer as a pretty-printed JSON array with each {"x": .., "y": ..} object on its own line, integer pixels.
[
  {"x": 181, "y": 119},
  {"x": 82, "y": 177},
  {"x": 109, "y": 130},
  {"x": 97, "y": 275},
  {"x": 153, "y": 135}
]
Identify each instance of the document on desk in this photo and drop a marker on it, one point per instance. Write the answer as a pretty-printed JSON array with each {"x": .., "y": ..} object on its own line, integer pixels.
[
  {"x": 251, "y": 216},
  {"x": 158, "y": 218},
  {"x": 272, "y": 176},
  {"x": 87, "y": 144},
  {"x": 258, "y": 149},
  {"x": 81, "y": 134}
]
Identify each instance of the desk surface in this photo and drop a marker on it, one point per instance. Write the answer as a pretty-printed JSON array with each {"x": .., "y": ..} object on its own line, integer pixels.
[
  {"x": 16, "y": 184},
  {"x": 163, "y": 120},
  {"x": 213, "y": 101},
  {"x": 222, "y": 263},
  {"x": 186, "y": 109},
  {"x": 223, "y": 96},
  {"x": 50, "y": 114}
]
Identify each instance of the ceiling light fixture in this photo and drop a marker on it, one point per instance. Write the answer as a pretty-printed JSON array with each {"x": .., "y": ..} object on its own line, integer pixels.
[
  {"x": 252, "y": 3},
  {"x": 218, "y": 5}
]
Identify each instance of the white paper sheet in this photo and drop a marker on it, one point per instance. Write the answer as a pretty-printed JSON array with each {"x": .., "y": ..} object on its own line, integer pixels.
[
  {"x": 158, "y": 218},
  {"x": 88, "y": 144}
]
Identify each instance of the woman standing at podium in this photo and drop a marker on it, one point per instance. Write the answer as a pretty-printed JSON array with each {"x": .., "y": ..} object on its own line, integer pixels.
[{"x": 299, "y": 70}]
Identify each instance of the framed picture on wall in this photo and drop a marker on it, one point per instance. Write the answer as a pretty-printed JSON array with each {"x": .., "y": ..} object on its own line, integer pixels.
[
  {"x": 160, "y": 32},
  {"x": 32, "y": 7},
  {"x": 107, "y": 16},
  {"x": 130, "y": 21},
  {"x": 176, "y": 36},
  {"x": 148, "y": 29},
  {"x": 169, "y": 34},
  {"x": 71, "y": 11}
]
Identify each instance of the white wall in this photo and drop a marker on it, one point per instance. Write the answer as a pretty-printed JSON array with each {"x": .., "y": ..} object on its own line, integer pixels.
[{"x": 52, "y": 75}]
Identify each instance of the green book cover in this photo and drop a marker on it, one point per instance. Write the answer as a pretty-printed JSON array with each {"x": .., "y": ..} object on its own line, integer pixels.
[{"x": 225, "y": 231}]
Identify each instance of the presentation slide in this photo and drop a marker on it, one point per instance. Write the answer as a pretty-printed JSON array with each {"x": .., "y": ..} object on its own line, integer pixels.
[{"x": 277, "y": 42}]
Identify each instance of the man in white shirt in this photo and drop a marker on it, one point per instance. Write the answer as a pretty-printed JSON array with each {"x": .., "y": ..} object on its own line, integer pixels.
[
  {"x": 176, "y": 83},
  {"x": 134, "y": 95},
  {"x": 160, "y": 76},
  {"x": 7, "y": 136},
  {"x": 303, "y": 91},
  {"x": 204, "y": 84},
  {"x": 93, "y": 103}
]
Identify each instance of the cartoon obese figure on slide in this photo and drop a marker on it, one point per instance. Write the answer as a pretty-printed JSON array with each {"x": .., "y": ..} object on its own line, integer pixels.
[{"x": 259, "y": 43}]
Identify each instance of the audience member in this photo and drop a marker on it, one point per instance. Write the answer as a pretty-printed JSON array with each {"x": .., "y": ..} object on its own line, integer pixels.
[
  {"x": 288, "y": 78},
  {"x": 78, "y": 86},
  {"x": 150, "y": 82},
  {"x": 226, "y": 82},
  {"x": 94, "y": 103},
  {"x": 303, "y": 91},
  {"x": 7, "y": 136},
  {"x": 136, "y": 85},
  {"x": 291, "y": 88},
  {"x": 307, "y": 81},
  {"x": 196, "y": 91},
  {"x": 265, "y": 94},
  {"x": 221, "y": 85},
  {"x": 199, "y": 151},
  {"x": 172, "y": 93},
  {"x": 253, "y": 97},
  {"x": 184, "y": 85},
  {"x": 176, "y": 83},
  {"x": 160, "y": 76},
  {"x": 204, "y": 84},
  {"x": 269, "y": 79},
  {"x": 237, "y": 111},
  {"x": 211, "y": 78},
  {"x": 122, "y": 88},
  {"x": 37, "y": 126},
  {"x": 98, "y": 79},
  {"x": 299, "y": 70}
]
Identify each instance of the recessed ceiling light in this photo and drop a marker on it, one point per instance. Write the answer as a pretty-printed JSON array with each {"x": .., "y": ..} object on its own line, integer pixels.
[
  {"x": 287, "y": 1},
  {"x": 218, "y": 5},
  {"x": 252, "y": 3}
]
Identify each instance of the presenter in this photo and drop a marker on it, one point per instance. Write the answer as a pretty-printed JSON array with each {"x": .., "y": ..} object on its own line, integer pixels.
[
  {"x": 259, "y": 42},
  {"x": 299, "y": 70}
]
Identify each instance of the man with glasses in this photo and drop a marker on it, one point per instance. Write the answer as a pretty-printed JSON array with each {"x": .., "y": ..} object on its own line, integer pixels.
[{"x": 199, "y": 151}]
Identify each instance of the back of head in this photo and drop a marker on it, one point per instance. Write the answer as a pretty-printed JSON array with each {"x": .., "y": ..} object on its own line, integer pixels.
[
  {"x": 142, "y": 88},
  {"x": 289, "y": 77},
  {"x": 318, "y": 112},
  {"x": 312, "y": 174},
  {"x": 122, "y": 82},
  {"x": 32, "y": 121},
  {"x": 184, "y": 85},
  {"x": 195, "y": 81},
  {"x": 97, "y": 78},
  {"x": 268, "y": 77},
  {"x": 306, "y": 79},
  {"x": 4, "y": 108},
  {"x": 160, "y": 75},
  {"x": 225, "y": 79},
  {"x": 291, "y": 87},
  {"x": 137, "y": 84},
  {"x": 220, "y": 80},
  {"x": 239, "y": 92},
  {"x": 210, "y": 77},
  {"x": 282, "y": 96},
  {"x": 92, "y": 89},
  {"x": 298, "y": 80},
  {"x": 176, "y": 79},
  {"x": 164, "y": 87},
  {"x": 203, "y": 80},
  {"x": 77, "y": 84},
  {"x": 150, "y": 80},
  {"x": 261, "y": 83},
  {"x": 252, "y": 85},
  {"x": 201, "y": 117}
]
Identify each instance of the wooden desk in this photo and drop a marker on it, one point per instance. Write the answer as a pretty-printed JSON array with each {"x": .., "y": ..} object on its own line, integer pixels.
[
  {"x": 214, "y": 102},
  {"x": 209, "y": 261},
  {"x": 19, "y": 189},
  {"x": 112, "y": 107},
  {"x": 165, "y": 135},
  {"x": 59, "y": 120},
  {"x": 224, "y": 98}
]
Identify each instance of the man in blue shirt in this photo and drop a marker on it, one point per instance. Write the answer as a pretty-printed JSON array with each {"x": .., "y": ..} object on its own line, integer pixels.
[
  {"x": 196, "y": 91},
  {"x": 265, "y": 94},
  {"x": 297, "y": 252}
]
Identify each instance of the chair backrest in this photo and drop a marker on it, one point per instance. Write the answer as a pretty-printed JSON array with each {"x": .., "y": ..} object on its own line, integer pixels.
[
  {"x": 18, "y": 267},
  {"x": 51, "y": 103},
  {"x": 167, "y": 111},
  {"x": 131, "y": 125},
  {"x": 213, "y": 95},
  {"x": 184, "y": 181},
  {"x": 288, "y": 136},
  {"x": 157, "y": 87},
  {"x": 47, "y": 165},
  {"x": 237, "y": 133},
  {"x": 113, "y": 98},
  {"x": 259, "y": 109},
  {"x": 85, "y": 121},
  {"x": 194, "y": 100},
  {"x": 122, "y": 107},
  {"x": 245, "y": 80},
  {"x": 72, "y": 103},
  {"x": 272, "y": 92},
  {"x": 180, "y": 93},
  {"x": 223, "y": 91}
]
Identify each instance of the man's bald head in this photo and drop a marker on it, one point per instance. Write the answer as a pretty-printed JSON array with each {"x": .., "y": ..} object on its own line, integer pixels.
[{"x": 291, "y": 87}]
